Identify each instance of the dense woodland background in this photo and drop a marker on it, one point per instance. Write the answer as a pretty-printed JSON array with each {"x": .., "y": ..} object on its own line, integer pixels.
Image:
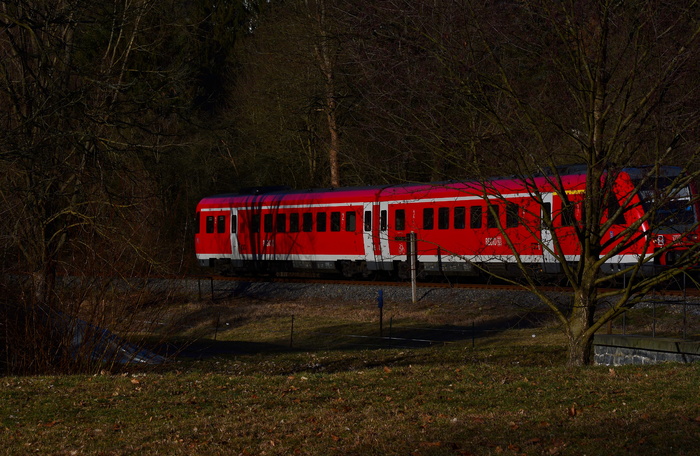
[{"x": 117, "y": 116}]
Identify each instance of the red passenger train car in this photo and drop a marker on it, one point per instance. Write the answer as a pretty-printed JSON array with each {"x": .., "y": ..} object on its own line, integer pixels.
[{"x": 461, "y": 227}]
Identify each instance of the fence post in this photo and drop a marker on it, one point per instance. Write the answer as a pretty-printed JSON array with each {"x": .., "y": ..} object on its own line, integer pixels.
[{"x": 291, "y": 334}]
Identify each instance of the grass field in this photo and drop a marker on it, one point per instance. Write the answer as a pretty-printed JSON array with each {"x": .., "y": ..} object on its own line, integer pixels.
[{"x": 339, "y": 389}]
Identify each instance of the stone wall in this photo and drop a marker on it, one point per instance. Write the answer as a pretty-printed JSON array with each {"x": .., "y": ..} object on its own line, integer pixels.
[{"x": 615, "y": 350}]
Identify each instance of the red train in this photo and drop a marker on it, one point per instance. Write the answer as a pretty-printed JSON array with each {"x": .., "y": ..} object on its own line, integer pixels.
[{"x": 459, "y": 226}]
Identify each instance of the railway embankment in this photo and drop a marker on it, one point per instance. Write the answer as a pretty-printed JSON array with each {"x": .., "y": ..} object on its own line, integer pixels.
[
  {"x": 609, "y": 349},
  {"x": 655, "y": 331}
]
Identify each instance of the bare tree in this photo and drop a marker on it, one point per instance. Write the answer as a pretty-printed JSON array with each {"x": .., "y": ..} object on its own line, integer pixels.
[
  {"x": 293, "y": 95},
  {"x": 59, "y": 137},
  {"x": 529, "y": 89},
  {"x": 326, "y": 47},
  {"x": 608, "y": 85},
  {"x": 81, "y": 107},
  {"x": 412, "y": 65}
]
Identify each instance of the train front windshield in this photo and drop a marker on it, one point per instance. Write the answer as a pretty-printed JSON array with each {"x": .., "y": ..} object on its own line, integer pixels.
[
  {"x": 676, "y": 213},
  {"x": 673, "y": 208}
]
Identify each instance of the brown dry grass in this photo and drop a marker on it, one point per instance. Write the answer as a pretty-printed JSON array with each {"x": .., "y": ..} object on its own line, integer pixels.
[{"x": 334, "y": 393}]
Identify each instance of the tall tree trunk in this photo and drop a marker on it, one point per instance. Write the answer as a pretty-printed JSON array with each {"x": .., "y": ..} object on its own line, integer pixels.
[
  {"x": 326, "y": 54},
  {"x": 334, "y": 145}
]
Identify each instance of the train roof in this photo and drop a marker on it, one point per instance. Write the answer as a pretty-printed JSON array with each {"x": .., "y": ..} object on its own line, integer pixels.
[
  {"x": 372, "y": 193},
  {"x": 572, "y": 177}
]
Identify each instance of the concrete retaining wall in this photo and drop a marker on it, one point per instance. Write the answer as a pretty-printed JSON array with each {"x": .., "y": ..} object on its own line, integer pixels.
[{"x": 615, "y": 350}]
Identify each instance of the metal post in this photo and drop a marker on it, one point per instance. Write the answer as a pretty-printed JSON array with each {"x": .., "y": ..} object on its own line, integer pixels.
[
  {"x": 380, "y": 304},
  {"x": 473, "y": 334},
  {"x": 218, "y": 321},
  {"x": 685, "y": 309},
  {"x": 391, "y": 326},
  {"x": 413, "y": 260},
  {"x": 291, "y": 334}
]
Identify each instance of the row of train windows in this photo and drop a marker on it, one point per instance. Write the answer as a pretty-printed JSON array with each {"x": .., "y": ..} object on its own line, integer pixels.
[
  {"x": 476, "y": 217},
  {"x": 305, "y": 222},
  {"x": 296, "y": 222},
  {"x": 458, "y": 216},
  {"x": 278, "y": 223}
]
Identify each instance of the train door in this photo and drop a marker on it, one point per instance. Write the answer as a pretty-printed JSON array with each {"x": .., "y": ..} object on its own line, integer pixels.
[
  {"x": 235, "y": 252},
  {"x": 384, "y": 232},
  {"x": 367, "y": 230},
  {"x": 370, "y": 234},
  {"x": 549, "y": 261}
]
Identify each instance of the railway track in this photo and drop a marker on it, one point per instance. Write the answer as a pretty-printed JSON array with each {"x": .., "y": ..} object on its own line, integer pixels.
[{"x": 670, "y": 292}]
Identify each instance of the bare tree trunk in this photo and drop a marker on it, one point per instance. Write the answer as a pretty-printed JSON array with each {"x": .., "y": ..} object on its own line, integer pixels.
[
  {"x": 326, "y": 57},
  {"x": 334, "y": 145},
  {"x": 580, "y": 338},
  {"x": 580, "y": 349}
]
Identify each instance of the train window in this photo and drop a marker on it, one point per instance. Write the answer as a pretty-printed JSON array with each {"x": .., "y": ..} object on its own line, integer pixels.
[
  {"x": 567, "y": 215},
  {"x": 613, "y": 207},
  {"x": 210, "y": 224},
  {"x": 382, "y": 221},
  {"x": 321, "y": 222},
  {"x": 255, "y": 223},
  {"x": 221, "y": 224},
  {"x": 267, "y": 223},
  {"x": 400, "y": 219},
  {"x": 294, "y": 222},
  {"x": 459, "y": 217},
  {"x": 234, "y": 223},
  {"x": 475, "y": 217},
  {"x": 512, "y": 215},
  {"x": 197, "y": 221},
  {"x": 335, "y": 221},
  {"x": 281, "y": 223},
  {"x": 492, "y": 216},
  {"x": 546, "y": 215},
  {"x": 443, "y": 218},
  {"x": 368, "y": 220},
  {"x": 428, "y": 218},
  {"x": 350, "y": 221},
  {"x": 307, "y": 222}
]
